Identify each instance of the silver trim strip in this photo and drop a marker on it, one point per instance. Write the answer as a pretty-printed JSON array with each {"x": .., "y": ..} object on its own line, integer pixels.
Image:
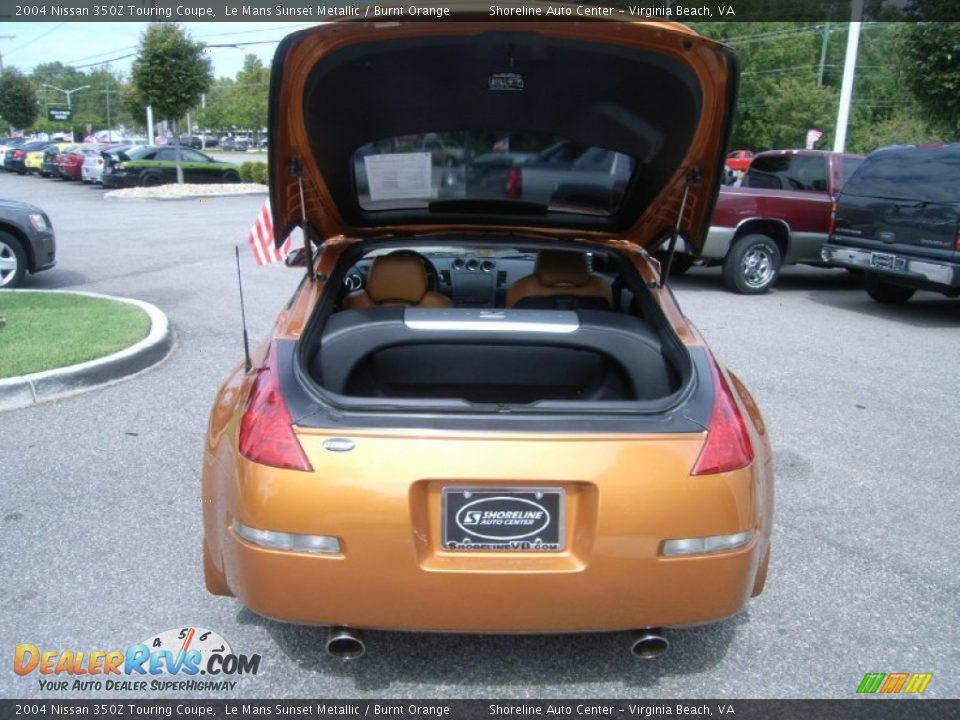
[{"x": 465, "y": 320}]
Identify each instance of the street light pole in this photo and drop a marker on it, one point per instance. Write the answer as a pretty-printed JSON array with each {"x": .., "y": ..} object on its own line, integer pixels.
[{"x": 69, "y": 94}]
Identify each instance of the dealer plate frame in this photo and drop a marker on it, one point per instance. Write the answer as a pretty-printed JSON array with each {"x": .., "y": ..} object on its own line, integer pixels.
[{"x": 503, "y": 545}]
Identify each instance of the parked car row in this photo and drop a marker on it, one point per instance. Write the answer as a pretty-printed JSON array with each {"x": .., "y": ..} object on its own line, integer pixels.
[{"x": 120, "y": 165}]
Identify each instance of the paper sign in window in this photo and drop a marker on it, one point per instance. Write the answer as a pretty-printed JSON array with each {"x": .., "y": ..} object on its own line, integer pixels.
[{"x": 398, "y": 176}]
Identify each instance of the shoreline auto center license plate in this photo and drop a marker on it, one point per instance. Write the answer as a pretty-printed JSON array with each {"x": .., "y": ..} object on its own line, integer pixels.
[{"x": 524, "y": 519}]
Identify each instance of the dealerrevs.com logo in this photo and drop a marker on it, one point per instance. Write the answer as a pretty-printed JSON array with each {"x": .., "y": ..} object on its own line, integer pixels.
[{"x": 171, "y": 660}]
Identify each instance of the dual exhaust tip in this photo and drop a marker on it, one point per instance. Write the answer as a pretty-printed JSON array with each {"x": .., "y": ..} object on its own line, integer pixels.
[{"x": 346, "y": 644}]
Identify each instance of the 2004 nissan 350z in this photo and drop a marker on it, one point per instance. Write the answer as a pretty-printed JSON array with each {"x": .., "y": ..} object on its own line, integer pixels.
[{"x": 482, "y": 410}]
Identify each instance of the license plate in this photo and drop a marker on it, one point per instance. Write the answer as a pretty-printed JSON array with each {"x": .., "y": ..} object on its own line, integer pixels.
[
  {"x": 503, "y": 519},
  {"x": 887, "y": 262}
]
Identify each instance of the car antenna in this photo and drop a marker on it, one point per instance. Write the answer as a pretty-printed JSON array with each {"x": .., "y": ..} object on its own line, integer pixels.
[
  {"x": 297, "y": 171},
  {"x": 692, "y": 178},
  {"x": 243, "y": 315}
]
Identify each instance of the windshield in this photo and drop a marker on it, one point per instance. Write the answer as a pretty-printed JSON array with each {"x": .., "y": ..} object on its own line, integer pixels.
[{"x": 414, "y": 171}]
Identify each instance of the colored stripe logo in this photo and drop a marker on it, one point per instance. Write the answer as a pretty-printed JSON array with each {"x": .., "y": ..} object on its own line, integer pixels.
[{"x": 894, "y": 683}]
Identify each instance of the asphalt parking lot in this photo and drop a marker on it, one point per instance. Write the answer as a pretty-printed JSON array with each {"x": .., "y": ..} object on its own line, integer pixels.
[{"x": 100, "y": 516}]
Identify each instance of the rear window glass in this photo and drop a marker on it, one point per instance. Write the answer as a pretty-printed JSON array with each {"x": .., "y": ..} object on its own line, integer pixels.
[
  {"x": 413, "y": 171},
  {"x": 848, "y": 166},
  {"x": 787, "y": 172},
  {"x": 922, "y": 174},
  {"x": 139, "y": 152}
]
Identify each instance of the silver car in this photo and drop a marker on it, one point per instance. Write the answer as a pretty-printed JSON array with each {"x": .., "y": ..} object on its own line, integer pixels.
[{"x": 93, "y": 163}]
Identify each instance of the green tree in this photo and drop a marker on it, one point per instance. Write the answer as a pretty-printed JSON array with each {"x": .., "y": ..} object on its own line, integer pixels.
[
  {"x": 171, "y": 72},
  {"x": 793, "y": 107},
  {"x": 902, "y": 127},
  {"x": 250, "y": 95},
  {"x": 931, "y": 65},
  {"x": 218, "y": 113},
  {"x": 18, "y": 99}
]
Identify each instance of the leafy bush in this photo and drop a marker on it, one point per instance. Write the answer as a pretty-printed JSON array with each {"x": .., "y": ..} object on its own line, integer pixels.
[
  {"x": 246, "y": 172},
  {"x": 259, "y": 173}
]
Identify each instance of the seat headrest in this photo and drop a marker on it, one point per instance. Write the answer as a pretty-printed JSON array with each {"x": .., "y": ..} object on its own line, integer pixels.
[
  {"x": 561, "y": 267},
  {"x": 397, "y": 278}
]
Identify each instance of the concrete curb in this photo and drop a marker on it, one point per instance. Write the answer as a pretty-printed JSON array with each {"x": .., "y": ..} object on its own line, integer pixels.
[
  {"x": 26, "y": 390},
  {"x": 109, "y": 195}
]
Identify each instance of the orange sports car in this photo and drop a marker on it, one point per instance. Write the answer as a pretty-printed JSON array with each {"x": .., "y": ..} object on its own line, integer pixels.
[{"x": 482, "y": 410}]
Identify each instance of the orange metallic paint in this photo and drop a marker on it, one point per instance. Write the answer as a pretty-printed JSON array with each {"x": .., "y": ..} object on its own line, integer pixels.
[
  {"x": 625, "y": 494},
  {"x": 704, "y": 57}
]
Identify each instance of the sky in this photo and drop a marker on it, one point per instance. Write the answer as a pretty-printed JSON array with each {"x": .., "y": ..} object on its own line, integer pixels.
[{"x": 93, "y": 44}]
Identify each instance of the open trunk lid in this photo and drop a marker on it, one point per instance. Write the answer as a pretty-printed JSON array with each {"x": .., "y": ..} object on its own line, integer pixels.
[{"x": 371, "y": 124}]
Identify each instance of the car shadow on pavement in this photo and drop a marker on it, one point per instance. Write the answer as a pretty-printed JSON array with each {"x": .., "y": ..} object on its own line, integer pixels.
[
  {"x": 792, "y": 279},
  {"x": 513, "y": 663},
  {"x": 54, "y": 280},
  {"x": 924, "y": 309}
]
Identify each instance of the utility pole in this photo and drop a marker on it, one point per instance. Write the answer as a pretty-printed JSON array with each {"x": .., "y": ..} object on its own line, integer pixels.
[
  {"x": 108, "y": 92},
  {"x": 4, "y": 37},
  {"x": 823, "y": 52},
  {"x": 849, "y": 67}
]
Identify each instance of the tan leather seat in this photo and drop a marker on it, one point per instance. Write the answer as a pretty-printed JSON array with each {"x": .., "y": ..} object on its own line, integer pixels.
[
  {"x": 560, "y": 274},
  {"x": 396, "y": 280}
]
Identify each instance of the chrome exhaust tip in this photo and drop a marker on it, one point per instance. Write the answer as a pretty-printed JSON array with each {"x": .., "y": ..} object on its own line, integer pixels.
[
  {"x": 648, "y": 643},
  {"x": 344, "y": 644}
]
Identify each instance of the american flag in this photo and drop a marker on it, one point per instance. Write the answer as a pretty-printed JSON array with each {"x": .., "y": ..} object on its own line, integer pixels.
[{"x": 262, "y": 239}]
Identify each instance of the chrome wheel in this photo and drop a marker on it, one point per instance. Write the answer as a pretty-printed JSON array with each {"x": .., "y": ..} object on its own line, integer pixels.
[
  {"x": 758, "y": 267},
  {"x": 752, "y": 265}
]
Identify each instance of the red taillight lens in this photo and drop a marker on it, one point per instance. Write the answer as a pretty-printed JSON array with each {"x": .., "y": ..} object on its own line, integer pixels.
[
  {"x": 18, "y": 153},
  {"x": 266, "y": 429},
  {"x": 100, "y": 162},
  {"x": 514, "y": 188},
  {"x": 956, "y": 243},
  {"x": 728, "y": 444},
  {"x": 832, "y": 226}
]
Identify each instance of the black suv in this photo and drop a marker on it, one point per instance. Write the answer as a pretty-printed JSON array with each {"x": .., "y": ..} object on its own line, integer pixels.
[{"x": 898, "y": 219}]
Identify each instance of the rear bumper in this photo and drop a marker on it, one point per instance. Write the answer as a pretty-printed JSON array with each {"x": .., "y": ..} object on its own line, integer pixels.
[
  {"x": 905, "y": 270},
  {"x": 392, "y": 572},
  {"x": 621, "y": 594}
]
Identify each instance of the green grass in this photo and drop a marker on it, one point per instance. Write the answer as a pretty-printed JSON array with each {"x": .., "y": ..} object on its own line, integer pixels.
[{"x": 51, "y": 330}]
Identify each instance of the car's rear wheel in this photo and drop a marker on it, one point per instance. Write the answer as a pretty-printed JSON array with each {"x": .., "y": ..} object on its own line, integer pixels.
[
  {"x": 752, "y": 265},
  {"x": 13, "y": 261},
  {"x": 886, "y": 293},
  {"x": 230, "y": 176},
  {"x": 150, "y": 180}
]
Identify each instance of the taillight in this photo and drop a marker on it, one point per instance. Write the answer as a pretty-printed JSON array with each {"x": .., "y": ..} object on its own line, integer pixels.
[
  {"x": 956, "y": 242},
  {"x": 832, "y": 225},
  {"x": 266, "y": 428},
  {"x": 728, "y": 444},
  {"x": 18, "y": 153},
  {"x": 514, "y": 188},
  {"x": 100, "y": 162}
]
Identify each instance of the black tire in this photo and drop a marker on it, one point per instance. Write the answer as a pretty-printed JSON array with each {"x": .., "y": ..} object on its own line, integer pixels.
[
  {"x": 753, "y": 265},
  {"x": 886, "y": 293},
  {"x": 13, "y": 261},
  {"x": 151, "y": 180},
  {"x": 231, "y": 176}
]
